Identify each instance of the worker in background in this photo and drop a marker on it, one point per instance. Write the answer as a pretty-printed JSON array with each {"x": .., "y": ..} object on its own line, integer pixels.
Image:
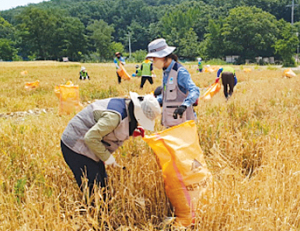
[
  {"x": 147, "y": 72},
  {"x": 83, "y": 74},
  {"x": 200, "y": 66},
  {"x": 117, "y": 60},
  {"x": 179, "y": 92},
  {"x": 93, "y": 135},
  {"x": 138, "y": 72},
  {"x": 229, "y": 80}
]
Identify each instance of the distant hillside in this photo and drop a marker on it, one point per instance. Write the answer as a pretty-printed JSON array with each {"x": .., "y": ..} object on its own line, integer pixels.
[{"x": 94, "y": 29}]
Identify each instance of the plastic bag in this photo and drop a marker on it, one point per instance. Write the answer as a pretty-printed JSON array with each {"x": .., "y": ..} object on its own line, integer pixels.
[
  {"x": 247, "y": 70},
  {"x": 185, "y": 173},
  {"x": 211, "y": 69},
  {"x": 57, "y": 89},
  {"x": 123, "y": 73},
  {"x": 69, "y": 99},
  {"x": 288, "y": 73},
  {"x": 211, "y": 91},
  {"x": 208, "y": 70},
  {"x": 24, "y": 73},
  {"x": 32, "y": 85}
]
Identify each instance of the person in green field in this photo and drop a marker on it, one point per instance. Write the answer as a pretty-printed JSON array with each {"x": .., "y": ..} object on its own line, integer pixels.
[
  {"x": 96, "y": 132},
  {"x": 138, "y": 72},
  {"x": 229, "y": 80},
  {"x": 117, "y": 60},
  {"x": 83, "y": 74},
  {"x": 147, "y": 72},
  {"x": 200, "y": 65}
]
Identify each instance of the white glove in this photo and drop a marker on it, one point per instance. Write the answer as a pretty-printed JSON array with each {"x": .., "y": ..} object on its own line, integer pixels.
[{"x": 111, "y": 161}]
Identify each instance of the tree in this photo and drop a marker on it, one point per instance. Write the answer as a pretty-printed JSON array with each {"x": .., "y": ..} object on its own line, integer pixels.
[
  {"x": 249, "y": 32},
  {"x": 7, "y": 51},
  {"x": 275, "y": 7},
  {"x": 287, "y": 45},
  {"x": 189, "y": 45},
  {"x": 71, "y": 38},
  {"x": 139, "y": 36},
  {"x": 213, "y": 45},
  {"x": 116, "y": 47},
  {"x": 139, "y": 56},
  {"x": 6, "y": 29},
  {"x": 213, "y": 28},
  {"x": 36, "y": 28},
  {"x": 101, "y": 37}
]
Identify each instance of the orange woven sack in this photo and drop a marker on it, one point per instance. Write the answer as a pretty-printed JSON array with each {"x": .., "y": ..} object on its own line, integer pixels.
[
  {"x": 57, "y": 89},
  {"x": 247, "y": 70},
  {"x": 123, "y": 73},
  {"x": 288, "y": 73},
  {"x": 24, "y": 73},
  {"x": 211, "y": 91},
  {"x": 69, "y": 101},
  {"x": 211, "y": 69},
  {"x": 208, "y": 70},
  {"x": 32, "y": 85},
  {"x": 184, "y": 170}
]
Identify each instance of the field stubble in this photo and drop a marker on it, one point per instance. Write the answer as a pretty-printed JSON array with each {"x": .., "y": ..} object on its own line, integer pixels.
[{"x": 251, "y": 145}]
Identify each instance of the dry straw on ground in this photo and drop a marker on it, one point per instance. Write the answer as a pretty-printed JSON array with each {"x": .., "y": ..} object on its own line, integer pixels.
[{"x": 251, "y": 145}]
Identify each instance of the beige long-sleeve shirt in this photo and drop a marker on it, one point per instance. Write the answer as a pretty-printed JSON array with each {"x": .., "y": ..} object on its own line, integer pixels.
[{"x": 106, "y": 122}]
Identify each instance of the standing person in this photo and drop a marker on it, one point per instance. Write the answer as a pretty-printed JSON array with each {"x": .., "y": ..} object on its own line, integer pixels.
[
  {"x": 229, "y": 80},
  {"x": 117, "y": 60},
  {"x": 179, "y": 91},
  {"x": 97, "y": 131},
  {"x": 147, "y": 72},
  {"x": 200, "y": 66},
  {"x": 83, "y": 74}
]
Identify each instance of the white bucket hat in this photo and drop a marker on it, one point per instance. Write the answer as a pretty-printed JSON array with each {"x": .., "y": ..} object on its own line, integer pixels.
[
  {"x": 83, "y": 68},
  {"x": 146, "y": 110},
  {"x": 159, "y": 49}
]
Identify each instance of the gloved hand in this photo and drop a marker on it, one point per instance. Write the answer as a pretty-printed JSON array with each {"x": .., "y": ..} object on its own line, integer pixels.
[
  {"x": 179, "y": 111},
  {"x": 139, "y": 131},
  {"x": 196, "y": 102},
  {"x": 217, "y": 80},
  {"x": 111, "y": 161}
]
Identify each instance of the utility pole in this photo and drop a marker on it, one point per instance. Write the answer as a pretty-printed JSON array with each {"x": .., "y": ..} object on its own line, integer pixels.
[
  {"x": 129, "y": 44},
  {"x": 292, "y": 22},
  {"x": 297, "y": 34},
  {"x": 292, "y": 8}
]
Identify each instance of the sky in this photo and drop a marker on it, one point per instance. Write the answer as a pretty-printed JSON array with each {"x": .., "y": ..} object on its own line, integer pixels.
[{"x": 8, "y": 4}]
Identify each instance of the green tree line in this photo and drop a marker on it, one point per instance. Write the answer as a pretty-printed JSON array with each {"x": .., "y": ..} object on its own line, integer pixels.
[{"x": 94, "y": 29}]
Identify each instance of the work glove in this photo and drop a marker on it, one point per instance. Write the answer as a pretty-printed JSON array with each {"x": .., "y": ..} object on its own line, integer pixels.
[
  {"x": 217, "y": 80},
  {"x": 139, "y": 131},
  {"x": 179, "y": 111},
  {"x": 196, "y": 102},
  {"x": 111, "y": 161}
]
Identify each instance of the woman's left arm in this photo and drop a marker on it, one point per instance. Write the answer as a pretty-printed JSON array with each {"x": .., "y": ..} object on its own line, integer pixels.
[{"x": 186, "y": 83}]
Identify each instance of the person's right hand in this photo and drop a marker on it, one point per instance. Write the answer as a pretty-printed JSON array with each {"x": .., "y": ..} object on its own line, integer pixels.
[{"x": 139, "y": 131}]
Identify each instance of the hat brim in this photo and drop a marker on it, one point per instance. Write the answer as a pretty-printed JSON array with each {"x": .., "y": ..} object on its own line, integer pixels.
[
  {"x": 161, "y": 54},
  {"x": 139, "y": 114}
]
